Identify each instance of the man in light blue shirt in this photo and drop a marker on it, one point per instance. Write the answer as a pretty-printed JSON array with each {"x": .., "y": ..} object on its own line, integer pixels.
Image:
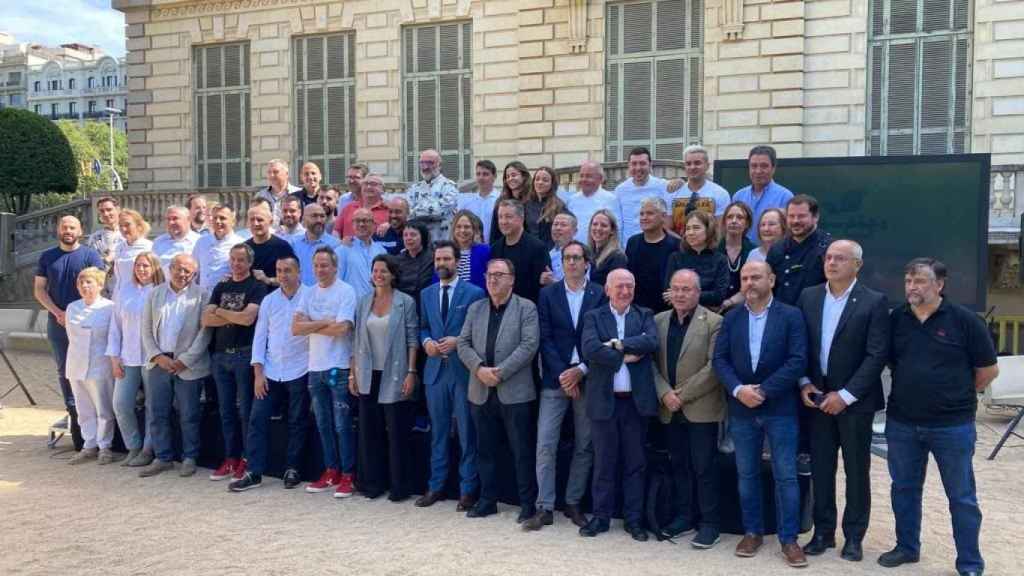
[
  {"x": 304, "y": 245},
  {"x": 763, "y": 192},
  {"x": 355, "y": 256},
  {"x": 631, "y": 194}
]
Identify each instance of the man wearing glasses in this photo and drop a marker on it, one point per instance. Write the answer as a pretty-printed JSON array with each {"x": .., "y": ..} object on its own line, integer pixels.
[{"x": 432, "y": 200}]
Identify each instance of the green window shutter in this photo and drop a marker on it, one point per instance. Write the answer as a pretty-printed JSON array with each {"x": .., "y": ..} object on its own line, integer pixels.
[
  {"x": 221, "y": 115},
  {"x": 324, "y": 120}
]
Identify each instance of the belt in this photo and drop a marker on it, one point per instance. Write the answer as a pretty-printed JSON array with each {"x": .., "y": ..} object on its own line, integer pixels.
[
  {"x": 237, "y": 350},
  {"x": 623, "y": 394}
]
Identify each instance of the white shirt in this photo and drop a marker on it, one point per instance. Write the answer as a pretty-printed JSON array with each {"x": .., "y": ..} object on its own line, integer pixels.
[
  {"x": 583, "y": 207},
  {"x": 575, "y": 301},
  {"x": 336, "y": 303},
  {"x": 831, "y": 311},
  {"x": 284, "y": 356},
  {"x": 172, "y": 318},
  {"x": 212, "y": 256},
  {"x": 87, "y": 328},
  {"x": 166, "y": 247},
  {"x": 482, "y": 206},
  {"x": 124, "y": 263},
  {"x": 451, "y": 292},
  {"x": 631, "y": 197},
  {"x": 621, "y": 381},
  {"x": 709, "y": 195},
  {"x": 125, "y": 338}
]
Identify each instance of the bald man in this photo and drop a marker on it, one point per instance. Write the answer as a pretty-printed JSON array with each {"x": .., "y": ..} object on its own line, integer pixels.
[
  {"x": 267, "y": 248},
  {"x": 310, "y": 178},
  {"x": 355, "y": 258},
  {"x": 55, "y": 286},
  {"x": 590, "y": 198},
  {"x": 433, "y": 199}
]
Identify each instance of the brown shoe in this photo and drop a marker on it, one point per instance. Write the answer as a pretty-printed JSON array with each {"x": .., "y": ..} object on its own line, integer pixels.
[
  {"x": 794, "y": 555},
  {"x": 539, "y": 520},
  {"x": 748, "y": 547},
  {"x": 429, "y": 499},
  {"x": 572, "y": 512},
  {"x": 466, "y": 503}
]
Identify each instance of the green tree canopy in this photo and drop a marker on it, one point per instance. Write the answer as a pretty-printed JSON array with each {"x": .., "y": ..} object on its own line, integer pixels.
[
  {"x": 35, "y": 158},
  {"x": 91, "y": 141}
]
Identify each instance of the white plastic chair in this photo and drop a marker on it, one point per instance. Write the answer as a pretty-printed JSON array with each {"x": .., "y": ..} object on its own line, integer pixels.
[{"x": 1007, "y": 390}]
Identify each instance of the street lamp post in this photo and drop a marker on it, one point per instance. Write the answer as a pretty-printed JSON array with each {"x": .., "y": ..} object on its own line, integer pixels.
[{"x": 115, "y": 179}]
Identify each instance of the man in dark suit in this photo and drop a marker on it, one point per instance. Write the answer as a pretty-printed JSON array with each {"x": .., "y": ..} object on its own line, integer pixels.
[
  {"x": 528, "y": 254},
  {"x": 619, "y": 342},
  {"x": 848, "y": 333},
  {"x": 760, "y": 354},
  {"x": 560, "y": 311},
  {"x": 443, "y": 308}
]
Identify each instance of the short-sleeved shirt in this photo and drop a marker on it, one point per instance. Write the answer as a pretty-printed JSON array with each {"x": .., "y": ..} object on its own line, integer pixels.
[
  {"x": 631, "y": 196},
  {"x": 61, "y": 268},
  {"x": 266, "y": 254},
  {"x": 337, "y": 303},
  {"x": 235, "y": 296},
  {"x": 933, "y": 365}
]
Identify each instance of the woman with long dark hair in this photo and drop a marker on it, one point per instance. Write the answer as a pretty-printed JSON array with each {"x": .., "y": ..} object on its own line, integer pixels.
[
  {"x": 545, "y": 191},
  {"x": 697, "y": 252},
  {"x": 517, "y": 184}
]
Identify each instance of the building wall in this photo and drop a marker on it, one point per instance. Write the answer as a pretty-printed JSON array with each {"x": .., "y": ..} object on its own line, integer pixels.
[{"x": 998, "y": 81}]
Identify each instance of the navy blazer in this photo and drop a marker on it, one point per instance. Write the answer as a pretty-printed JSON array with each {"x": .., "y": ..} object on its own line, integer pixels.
[
  {"x": 432, "y": 328},
  {"x": 603, "y": 361},
  {"x": 558, "y": 336},
  {"x": 782, "y": 362}
]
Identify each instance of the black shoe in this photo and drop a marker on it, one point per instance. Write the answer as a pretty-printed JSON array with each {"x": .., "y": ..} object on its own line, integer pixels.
[
  {"x": 706, "y": 538},
  {"x": 803, "y": 464},
  {"x": 896, "y": 557},
  {"x": 397, "y": 497},
  {"x": 572, "y": 512},
  {"x": 482, "y": 510},
  {"x": 852, "y": 551},
  {"x": 429, "y": 499},
  {"x": 971, "y": 573},
  {"x": 525, "y": 513},
  {"x": 681, "y": 526},
  {"x": 247, "y": 482},
  {"x": 539, "y": 520},
  {"x": 594, "y": 527},
  {"x": 291, "y": 478},
  {"x": 818, "y": 544},
  {"x": 637, "y": 532}
]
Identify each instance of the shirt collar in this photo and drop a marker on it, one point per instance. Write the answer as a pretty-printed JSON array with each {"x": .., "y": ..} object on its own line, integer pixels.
[
  {"x": 583, "y": 288},
  {"x": 764, "y": 312},
  {"x": 843, "y": 296},
  {"x": 616, "y": 314},
  {"x": 451, "y": 283}
]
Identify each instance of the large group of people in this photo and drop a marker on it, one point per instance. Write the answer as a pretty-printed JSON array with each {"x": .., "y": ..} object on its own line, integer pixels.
[{"x": 732, "y": 323}]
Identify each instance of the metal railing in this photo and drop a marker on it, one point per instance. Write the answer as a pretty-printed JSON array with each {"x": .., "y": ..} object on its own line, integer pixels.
[{"x": 1008, "y": 332}]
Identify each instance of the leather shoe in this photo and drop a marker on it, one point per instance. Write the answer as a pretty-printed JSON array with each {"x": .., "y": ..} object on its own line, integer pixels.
[
  {"x": 818, "y": 544},
  {"x": 466, "y": 503},
  {"x": 429, "y": 499},
  {"x": 637, "y": 532},
  {"x": 539, "y": 520},
  {"x": 896, "y": 557},
  {"x": 482, "y": 510},
  {"x": 594, "y": 527},
  {"x": 794, "y": 555},
  {"x": 572, "y": 512},
  {"x": 852, "y": 551},
  {"x": 749, "y": 545},
  {"x": 525, "y": 513}
]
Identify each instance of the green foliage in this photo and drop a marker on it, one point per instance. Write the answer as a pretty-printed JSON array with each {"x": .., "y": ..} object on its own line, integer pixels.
[
  {"x": 35, "y": 158},
  {"x": 91, "y": 141}
]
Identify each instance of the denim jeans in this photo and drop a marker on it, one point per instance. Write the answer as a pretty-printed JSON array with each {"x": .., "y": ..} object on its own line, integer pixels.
[
  {"x": 126, "y": 390},
  {"x": 58, "y": 337},
  {"x": 953, "y": 448},
  {"x": 233, "y": 376},
  {"x": 163, "y": 389},
  {"x": 447, "y": 399},
  {"x": 259, "y": 423},
  {"x": 748, "y": 436},
  {"x": 332, "y": 406},
  {"x": 553, "y": 406}
]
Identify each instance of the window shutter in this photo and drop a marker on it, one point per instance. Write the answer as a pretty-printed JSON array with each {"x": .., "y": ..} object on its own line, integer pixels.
[
  {"x": 902, "y": 74},
  {"x": 903, "y": 16},
  {"x": 936, "y": 15},
  {"x": 324, "y": 118},
  {"x": 636, "y": 88},
  {"x": 695, "y": 105},
  {"x": 671, "y": 25},
  {"x": 612, "y": 33},
  {"x": 875, "y": 103},
  {"x": 221, "y": 115},
  {"x": 936, "y": 88},
  {"x": 611, "y": 117},
  {"x": 335, "y": 57},
  {"x": 670, "y": 108},
  {"x": 636, "y": 27},
  {"x": 426, "y": 116},
  {"x": 960, "y": 96}
]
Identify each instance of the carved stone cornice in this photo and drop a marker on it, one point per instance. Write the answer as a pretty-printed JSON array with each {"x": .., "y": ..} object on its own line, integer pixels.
[{"x": 218, "y": 7}]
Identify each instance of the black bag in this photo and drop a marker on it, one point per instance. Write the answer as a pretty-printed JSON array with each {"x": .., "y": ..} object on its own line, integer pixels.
[{"x": 659, "y": 499}]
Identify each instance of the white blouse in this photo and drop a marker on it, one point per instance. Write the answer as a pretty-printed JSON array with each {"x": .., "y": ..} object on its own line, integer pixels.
[
  {"x": 124, "y": 264},
  {"x": 125, "y": 338},
  {"x": 87, "y": 328}
]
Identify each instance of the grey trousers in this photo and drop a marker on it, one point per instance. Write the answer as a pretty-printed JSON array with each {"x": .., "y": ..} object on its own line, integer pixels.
[{"x": 553, "y": 406}]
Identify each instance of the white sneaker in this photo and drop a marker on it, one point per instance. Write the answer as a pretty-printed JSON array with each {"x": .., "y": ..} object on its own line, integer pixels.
[{"x": 84, "y": 455}]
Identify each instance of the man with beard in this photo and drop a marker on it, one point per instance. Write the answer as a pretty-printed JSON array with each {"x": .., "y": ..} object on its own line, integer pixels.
[
  {"x": 178, "y": 238},
  {"x": 291, "y": 218},
  {"x": 398, "y": 215},
  {"x": 306, "y": 244},
  {"x": 432, "y": 200},
  {"x": 328, "y": 198},
  {"x": 648, "y": 254},
  {"x": 355, "y": 256},
  {"x": 197, "y": 213},
  {"x": 799, "y": 260}
]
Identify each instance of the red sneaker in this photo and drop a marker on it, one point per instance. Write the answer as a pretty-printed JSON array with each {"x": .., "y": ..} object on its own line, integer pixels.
[
  {"x": 344, "y": 486},
  {"x": 226, "y": 470},
  {"x": 327, "y": 481},
  {"x": 240, "y": 469}
]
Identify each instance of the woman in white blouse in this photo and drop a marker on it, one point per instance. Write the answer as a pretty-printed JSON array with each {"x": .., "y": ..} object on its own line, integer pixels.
[
  {"x": 771, "y": 228},
  {"x": 124, "y": 347},
  {"x": 134, "y": 229},
  {"x": 87, "y": 322}
]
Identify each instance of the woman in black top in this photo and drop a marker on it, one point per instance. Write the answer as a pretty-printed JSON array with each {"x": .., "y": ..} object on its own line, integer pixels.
[
  {"x": 736, "y": 220},
  {"x": 697, "y": 254},
  {"x": 545, "y": 191},
  {"x": 603, "y": 237},
  {"x": 415, "y": 261},
  {"x": 517, "y": 184}
]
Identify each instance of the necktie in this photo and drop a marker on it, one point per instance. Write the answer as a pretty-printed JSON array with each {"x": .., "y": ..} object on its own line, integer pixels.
[{"x": 444, "y": 304}]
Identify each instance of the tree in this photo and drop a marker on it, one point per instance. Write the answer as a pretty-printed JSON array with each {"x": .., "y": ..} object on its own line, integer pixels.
[
  {"x": 35, "y": 158},
  {"x": 91, "y": 141}
]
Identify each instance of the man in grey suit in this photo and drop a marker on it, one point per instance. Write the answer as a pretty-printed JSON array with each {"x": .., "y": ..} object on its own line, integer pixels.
[
  {"x": 174, "y": 344},
  {"x": 497, "y": 344}
]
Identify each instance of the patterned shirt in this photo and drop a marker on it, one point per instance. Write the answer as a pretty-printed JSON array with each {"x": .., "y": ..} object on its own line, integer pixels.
[{"x": 434, "y": 204}]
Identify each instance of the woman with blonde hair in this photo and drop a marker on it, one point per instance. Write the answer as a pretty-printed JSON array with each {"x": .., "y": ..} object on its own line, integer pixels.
[
  {"x": 124, "y": 347},
  {"x": 545, "y": 192},
  {"x": 603, "y": 240},
  {"x": 697, "y": 252},
  {"x": 88, "y": 321},
  {"x": 467, "y": 233},
  {"x": 134, "y": 230}
]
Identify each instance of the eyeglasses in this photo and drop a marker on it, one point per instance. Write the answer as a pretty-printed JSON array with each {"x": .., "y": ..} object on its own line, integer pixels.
[
  {"x": 497, "y": 275},
  {"x": 362, "y": 220}
]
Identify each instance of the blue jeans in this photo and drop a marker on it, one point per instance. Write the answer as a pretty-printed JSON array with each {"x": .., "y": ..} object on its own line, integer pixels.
[
  {"x": 259, "y": 423},
  {"x": 748, "y": 436},
  {"x": 233, "y": 376},
  {"x": 953, "y": 448},
  {"x": 332, "y": 406},
  {"x": 58, "y": 337},
  {"x": 125, "y": 392},
  {"x": 163, "y": 389},
  {"x": 446, "y": 398}
]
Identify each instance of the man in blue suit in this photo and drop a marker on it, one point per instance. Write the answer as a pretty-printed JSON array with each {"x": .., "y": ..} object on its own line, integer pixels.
[
  {"x": 560, "y": 312},
  {"x": 619, "y": 342},
  {"x": 442, "y": 312},
  {"x": 760, "y": 355}
]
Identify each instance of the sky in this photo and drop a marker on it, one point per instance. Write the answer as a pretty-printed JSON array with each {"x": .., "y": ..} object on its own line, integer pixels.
[{"x": 55, "y": 22}]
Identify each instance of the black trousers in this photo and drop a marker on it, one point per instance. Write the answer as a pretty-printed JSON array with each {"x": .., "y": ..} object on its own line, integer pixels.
[
  {"x": 850, "y": 432},
  {"x": 619, "y": 443},
  {"x": 518, "y": 423},
  {"x": 385, "y": 450},
  {"x": 693, "y": 448}
]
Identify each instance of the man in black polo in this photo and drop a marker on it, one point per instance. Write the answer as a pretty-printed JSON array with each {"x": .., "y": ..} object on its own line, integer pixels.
[
  {"x": 941, "y": 358},
  {"x": 798, "y": 261}
]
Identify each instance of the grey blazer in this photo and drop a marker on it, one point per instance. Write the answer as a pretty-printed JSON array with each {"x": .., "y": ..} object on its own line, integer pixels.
[
  {"x": 514, "y": 349},
  {"x": 193, "y": 340},
  {"x": 403, "y": 326}
]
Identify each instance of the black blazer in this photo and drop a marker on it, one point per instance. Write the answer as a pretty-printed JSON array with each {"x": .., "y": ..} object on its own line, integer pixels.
[
  {"x": 603, "y": 361},
  {"x": 558, "y": 336},
  {"x": 859, "y": 349}
]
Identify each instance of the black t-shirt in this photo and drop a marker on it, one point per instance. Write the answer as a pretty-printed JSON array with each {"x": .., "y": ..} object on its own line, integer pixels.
[
  {"x": 648, "y": 262},
  {"x": 530, "y": 259},
  {"x": 266, "y": 254},
  {"x": 235, "y": 296},
  {"x": 798, "y": 265},
  {"x": 933, "y": 365}
]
